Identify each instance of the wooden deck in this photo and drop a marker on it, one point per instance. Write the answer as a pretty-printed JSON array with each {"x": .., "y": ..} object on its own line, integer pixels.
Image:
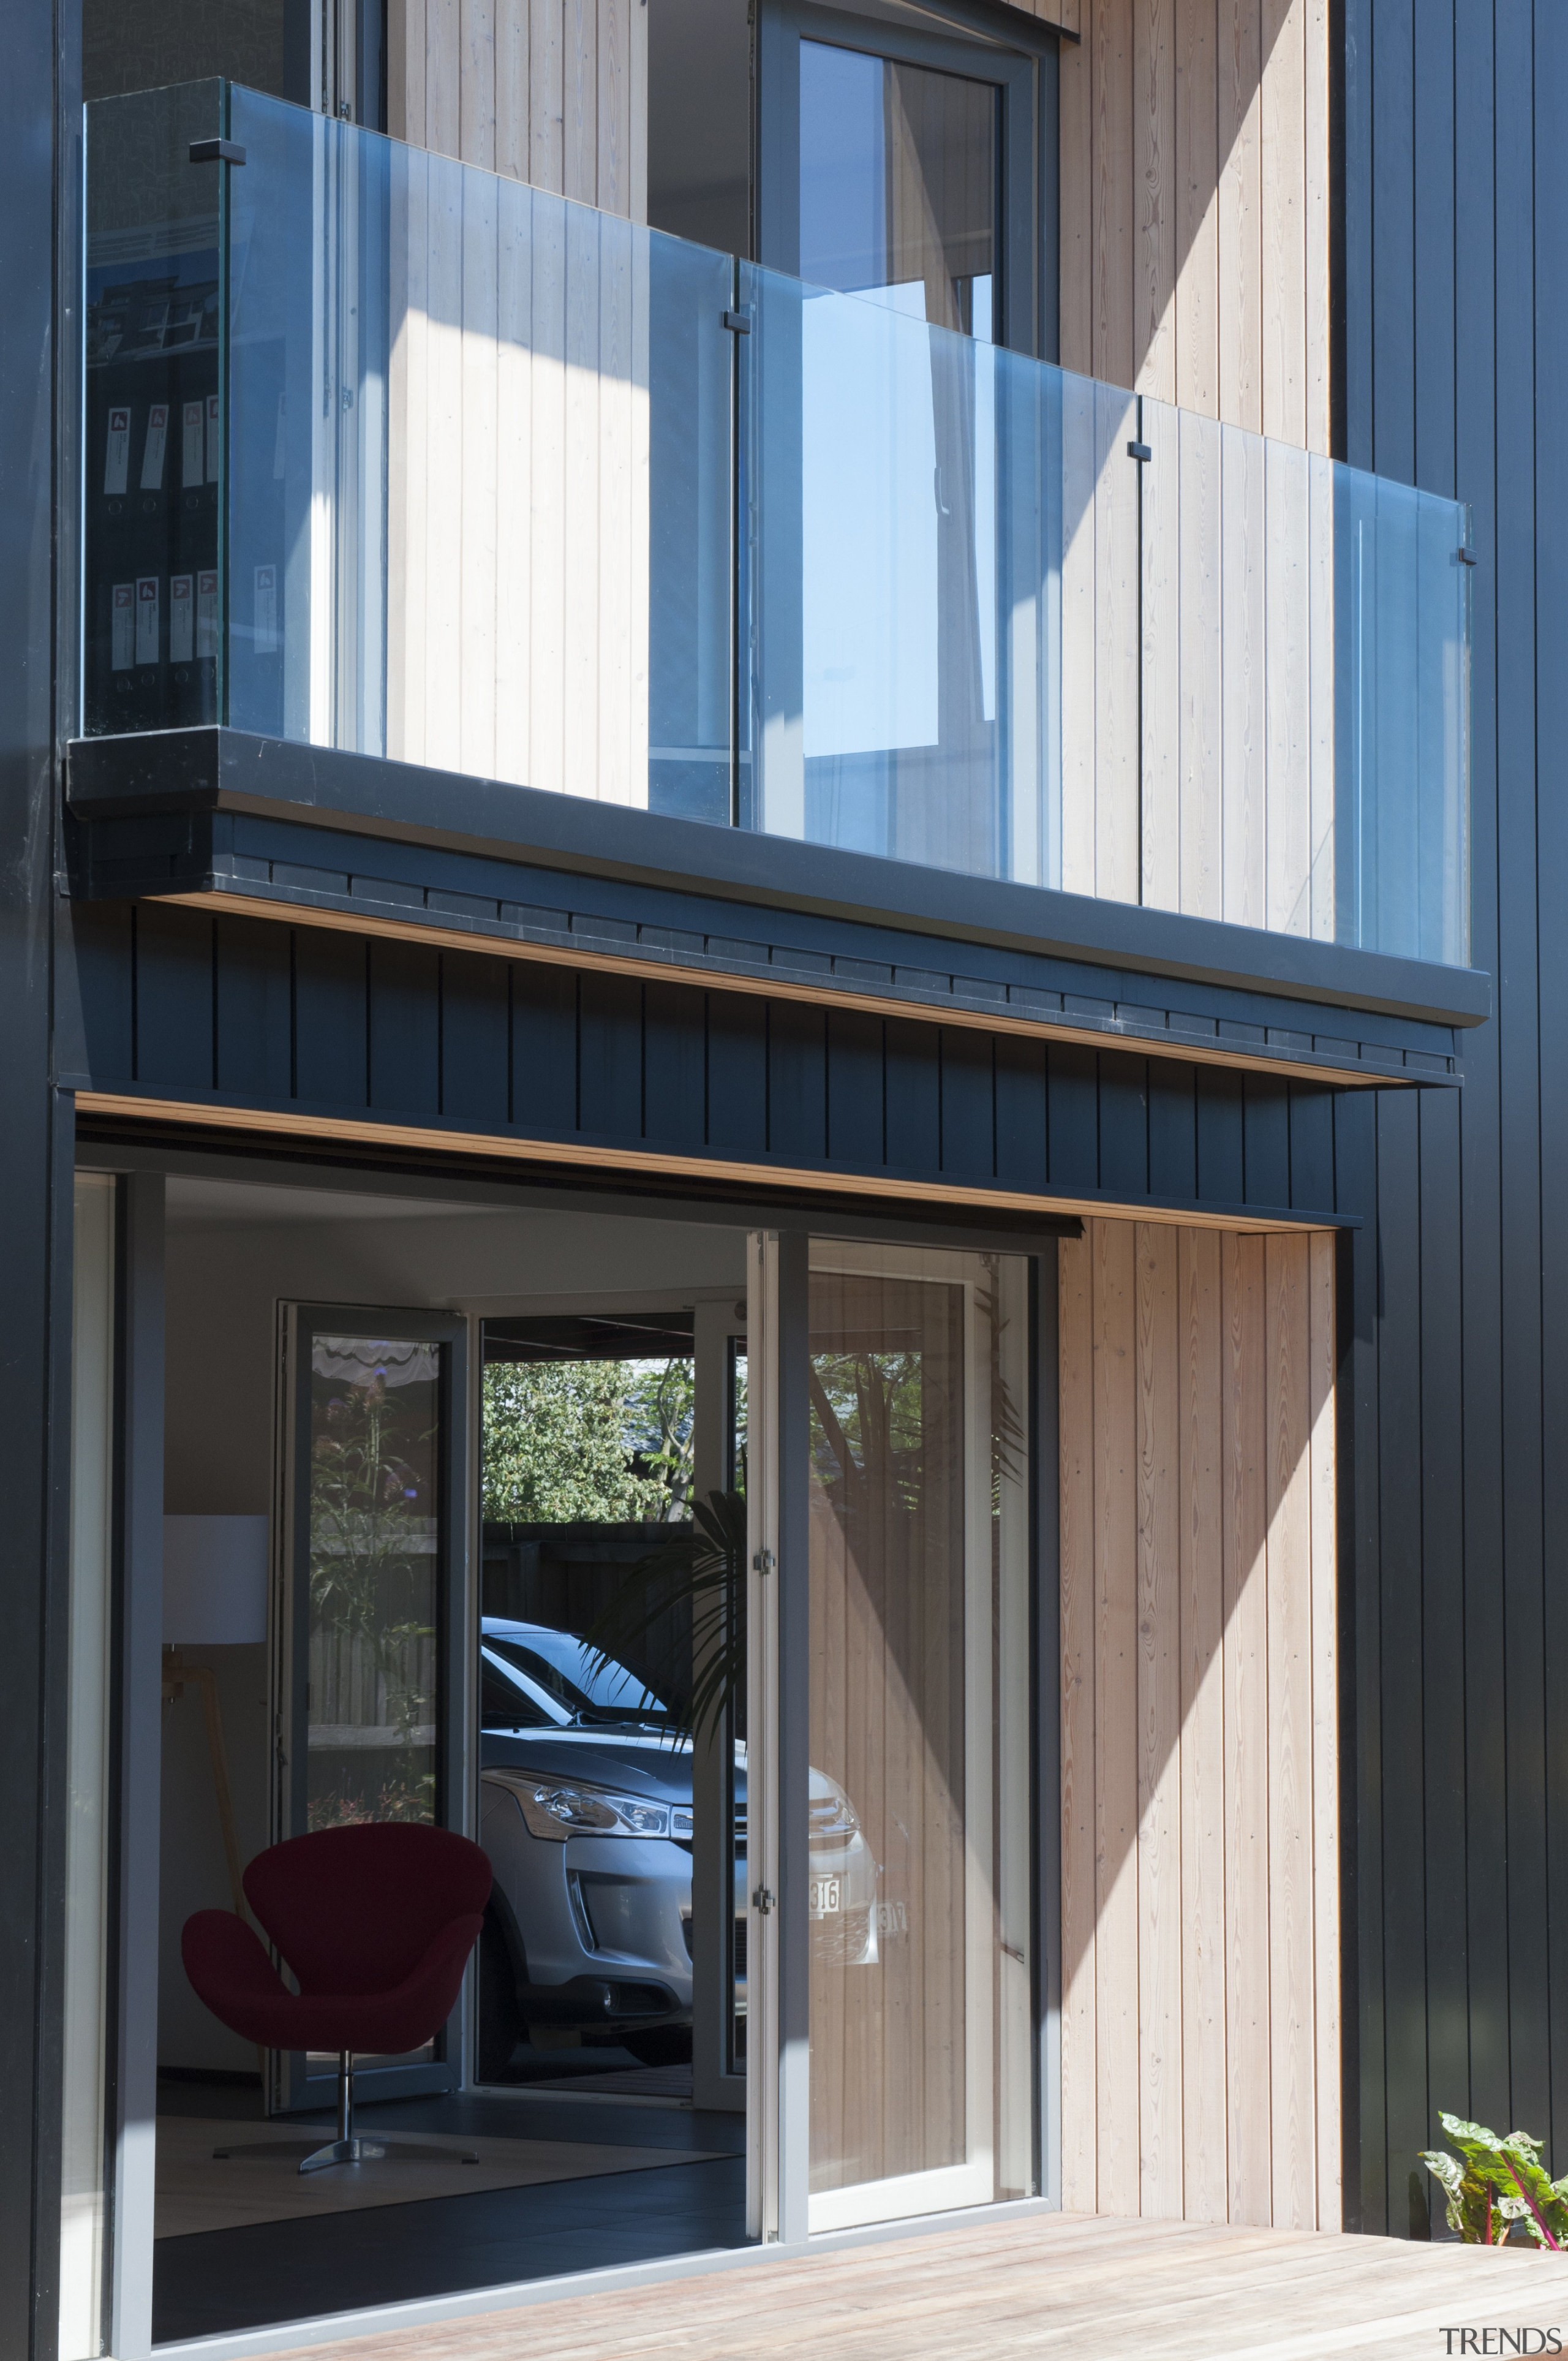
[{"x": 1096, "y": 2288}]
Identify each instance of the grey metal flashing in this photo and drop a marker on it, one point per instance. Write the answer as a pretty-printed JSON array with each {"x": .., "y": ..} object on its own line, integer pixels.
[
  {"x": 280, "y": 864},
  {"x": 227, "y": 769}
]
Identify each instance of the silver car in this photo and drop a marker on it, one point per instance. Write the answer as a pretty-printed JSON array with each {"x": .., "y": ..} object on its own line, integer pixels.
[{"x": 585, "y": 1812}]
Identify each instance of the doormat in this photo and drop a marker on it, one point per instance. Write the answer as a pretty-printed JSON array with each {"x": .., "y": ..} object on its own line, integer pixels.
[{"x": 194, "y": 2192}]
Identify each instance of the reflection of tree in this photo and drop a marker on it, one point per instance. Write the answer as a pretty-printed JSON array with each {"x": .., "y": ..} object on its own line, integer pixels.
[
  {"x": 590, "y": 1442},
  {"x": 372, "y": 1563}
]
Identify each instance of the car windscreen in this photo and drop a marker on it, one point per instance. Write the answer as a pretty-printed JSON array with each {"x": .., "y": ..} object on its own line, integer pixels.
[
  {"x": 507, "y": 1704},
  {"x": 569, "y": 1669}
]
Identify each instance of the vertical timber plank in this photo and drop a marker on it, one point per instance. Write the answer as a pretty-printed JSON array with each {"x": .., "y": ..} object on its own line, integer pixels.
[
  {"x": 1282, "y": 224},
  {"x": 1154, "y": 164},
  {"x": 1292, "y": 2028},
  {"x": 1160, "y": 765},
  {"x": 1079, "y": 2092},
  {"x": 1075, "y": 286},
  {"x": 1111, "y": 63},
  {"x": 1317, "y": 199},
  {"x": 547, "y": 96},
  {"x": 1079, "y": 770},
  {"x": 1247, "y": 2061},
  {"x": 1325, "y": 1732},
  {"x": 1287, "y": 689},
  {"x": 1241, "y": 256},
  {"x": 480, "y": 507},
  {"x": 1115, "y": 1718},
  {"x": 1160, "y": 2069},
  {"x": 476, "y": 83},
  {"x": 1197, "y": 210},
  {"x": 512, "y": 107},
  {"x": 1200, "y": 785},
  {"x": 1118, "y": 788},
  {"x": 1244, "y": 719},
  {"x": 1203, "y": 1951}
]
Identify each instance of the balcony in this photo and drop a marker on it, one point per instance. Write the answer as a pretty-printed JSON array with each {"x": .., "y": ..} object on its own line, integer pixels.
[{"x": 387, "y": 453}]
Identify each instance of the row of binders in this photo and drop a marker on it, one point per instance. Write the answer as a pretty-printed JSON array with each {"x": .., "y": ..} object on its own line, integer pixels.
[
  {"x": 199, "y": 439},
  {"x": 135, "y": 609}
]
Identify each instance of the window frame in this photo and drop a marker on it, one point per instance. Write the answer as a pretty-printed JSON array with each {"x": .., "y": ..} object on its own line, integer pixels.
[{"x": 1023, "y": 67}]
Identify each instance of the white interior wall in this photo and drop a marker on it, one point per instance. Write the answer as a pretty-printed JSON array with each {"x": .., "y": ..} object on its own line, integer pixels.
[{"x": 234, "y": 1252}]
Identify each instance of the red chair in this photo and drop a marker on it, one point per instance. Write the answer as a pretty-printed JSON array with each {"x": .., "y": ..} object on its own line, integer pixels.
[{"x": 377, "y": 1922}]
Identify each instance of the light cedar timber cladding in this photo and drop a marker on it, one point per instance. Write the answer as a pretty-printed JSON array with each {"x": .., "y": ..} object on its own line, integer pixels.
[
  {"x": 552, "y": 92},
  {"x": 1197, "y": 623},
  {"x": 1200, "y": 2056},
  {"x": 1195, "y": 207}
]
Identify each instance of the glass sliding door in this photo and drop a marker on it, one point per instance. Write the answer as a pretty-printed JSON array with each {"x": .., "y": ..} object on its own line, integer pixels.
[
  {"x": 370, "y": 1630},
  {"x": 918, "y": 1894}
]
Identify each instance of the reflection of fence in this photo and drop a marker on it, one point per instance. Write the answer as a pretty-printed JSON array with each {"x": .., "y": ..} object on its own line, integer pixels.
[{"x": 368, "y": 1694}]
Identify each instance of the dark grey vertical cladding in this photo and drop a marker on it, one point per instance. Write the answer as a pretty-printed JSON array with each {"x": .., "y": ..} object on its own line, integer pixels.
[
  {"x": 404, "y": 1029},
  {"x": 797, "y": 1082},
  {"x": 1222, "y": 1155},
  {"x": 475, "y": 1040},
  {"x": 1265, "y": 1140},
  {"x": 253, "y": 1033},
  {"x": 543, "y": 1048},
  {"x": 673, "y": 1036},
  {"x": 1520, "y": 543},
  {"x": 1401, "y": 1565},
  {"x": 331, "y": 1030},
  {"x": 174, "y": 999},
  {"x": 1475, "y": 421},
  {"x": 1124, "y": 1123},
  {"x": 969, "y": 1105},
  {"x": 1366, "y": 2133},
  {"x": 1552, "y": 590},
  {"x": 1173, "y": 1134},
  {"x": 1456, "y": 347},
  {"x": 1311, "y": 1147},
  {"x": 101, "y": 964},
  {"x": 610, "y": 1054},
  {"x": 737, "y": 1077},
  {"x": 1442, "y": 1663},
  {"x": 1072, "y": 1101},
  {"x": 856, "y": 1113},
  {"x": 34, "y": 1202},
  {"x": 913, "y": 1097},
  {"x": 1021, "y": 1113}
]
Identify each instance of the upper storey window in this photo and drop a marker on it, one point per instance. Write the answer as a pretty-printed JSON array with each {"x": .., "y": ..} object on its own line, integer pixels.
[{"x": 898, "y": 184}]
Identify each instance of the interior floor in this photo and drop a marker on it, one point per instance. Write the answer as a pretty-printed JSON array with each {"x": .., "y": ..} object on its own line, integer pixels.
[{"x": 604, "y": 2205}]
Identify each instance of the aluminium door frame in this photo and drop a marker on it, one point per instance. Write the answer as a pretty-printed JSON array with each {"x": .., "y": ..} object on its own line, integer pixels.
[
  {"x": 778, "y": 2203},
  {"x": 289, "y": 2087},
  {"x": 1024, "y": 70}
]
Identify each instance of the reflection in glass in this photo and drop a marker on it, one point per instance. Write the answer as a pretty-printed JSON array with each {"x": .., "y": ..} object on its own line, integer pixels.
[
  {"x": 920, "y": 2090},
  {"x": 375, "y": 1575},
  {"x": 898, "y": 184}
]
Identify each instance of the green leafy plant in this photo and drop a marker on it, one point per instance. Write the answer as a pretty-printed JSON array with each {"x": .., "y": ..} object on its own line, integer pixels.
[
  {"x": 595, "y": 1442},
  {"x": 702, "y": 1567},
  {"x": 1494, "y": 2183}
]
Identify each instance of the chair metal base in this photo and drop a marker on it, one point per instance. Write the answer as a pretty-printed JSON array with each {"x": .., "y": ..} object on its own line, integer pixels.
[
  {"x": 357, "y": 2148},
  {"x": 348, "y": 2147}
]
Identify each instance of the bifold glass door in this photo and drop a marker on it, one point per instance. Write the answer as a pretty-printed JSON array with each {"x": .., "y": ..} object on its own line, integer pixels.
[{"x": 891, "y": 1533}]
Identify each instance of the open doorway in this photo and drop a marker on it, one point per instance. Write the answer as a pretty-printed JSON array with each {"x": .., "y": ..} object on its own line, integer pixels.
[
  {"x": 445, "y": 1483},
  {"x": 610, "y": 1686}
]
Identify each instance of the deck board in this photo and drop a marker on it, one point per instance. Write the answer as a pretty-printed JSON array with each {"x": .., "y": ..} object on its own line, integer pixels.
[{"x": 1055, "y": 2284}]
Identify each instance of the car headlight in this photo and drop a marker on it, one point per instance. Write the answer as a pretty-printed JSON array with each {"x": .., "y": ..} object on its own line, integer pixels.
[
  {"x": 556, "y": 1808},
  {"x": 833, "y": 1822}
]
